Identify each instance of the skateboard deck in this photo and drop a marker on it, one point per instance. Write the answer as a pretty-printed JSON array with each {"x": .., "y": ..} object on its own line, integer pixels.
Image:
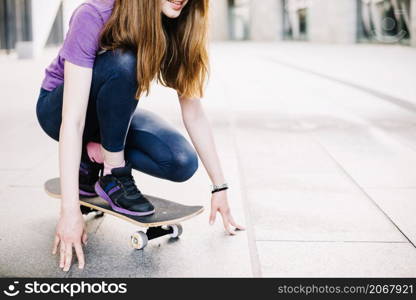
[{"x": 166, "y": 212}]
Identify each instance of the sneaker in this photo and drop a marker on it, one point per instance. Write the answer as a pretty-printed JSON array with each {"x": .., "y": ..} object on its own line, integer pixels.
[
  {"x": 120, "y": 191},
  {"x": 88, "y": 176}
]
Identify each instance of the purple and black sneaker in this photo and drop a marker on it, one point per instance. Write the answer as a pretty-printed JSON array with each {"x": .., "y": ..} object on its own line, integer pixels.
[
  {"x": 120, "y": 191},
  {"x": 88, "y": 176}
]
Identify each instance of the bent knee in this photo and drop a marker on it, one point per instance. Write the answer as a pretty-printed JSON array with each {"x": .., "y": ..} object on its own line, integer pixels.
[
  {"x": 183, "y": 166},
  {"x": 124, "y": 63}
]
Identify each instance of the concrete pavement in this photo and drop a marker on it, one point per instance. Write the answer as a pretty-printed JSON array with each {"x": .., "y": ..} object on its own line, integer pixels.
[{"x": 317, "y": 142}]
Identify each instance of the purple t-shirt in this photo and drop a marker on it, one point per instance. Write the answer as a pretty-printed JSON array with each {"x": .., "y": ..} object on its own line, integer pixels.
[{"x": 81, "y": 43}]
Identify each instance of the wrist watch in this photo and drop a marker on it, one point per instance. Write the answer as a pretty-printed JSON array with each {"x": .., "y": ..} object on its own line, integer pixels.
[{"x": 216, "y": 187}]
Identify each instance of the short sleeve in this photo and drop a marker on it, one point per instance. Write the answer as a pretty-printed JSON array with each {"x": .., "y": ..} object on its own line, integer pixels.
[{"x": 81, "y": 42}]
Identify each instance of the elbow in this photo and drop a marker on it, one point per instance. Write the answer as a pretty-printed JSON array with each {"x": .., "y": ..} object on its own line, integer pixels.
[
  {"x": 192, "y": 116},
  {"x": 190, "y": 107},
  {"x": 192, "y": 113}
]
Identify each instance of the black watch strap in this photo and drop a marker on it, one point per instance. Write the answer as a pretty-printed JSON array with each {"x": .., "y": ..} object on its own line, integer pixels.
[{"x": 219, "y": 189}]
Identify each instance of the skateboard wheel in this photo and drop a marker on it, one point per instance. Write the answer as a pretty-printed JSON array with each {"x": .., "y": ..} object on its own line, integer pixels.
[
  {"x": 139, "y": 240},
  {"x": 177, "y": 230}
]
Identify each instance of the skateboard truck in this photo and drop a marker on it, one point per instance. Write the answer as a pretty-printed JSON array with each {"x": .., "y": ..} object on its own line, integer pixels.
[
  {"x": 139, "y": 239},
  {"x": 85, "y": 210}
]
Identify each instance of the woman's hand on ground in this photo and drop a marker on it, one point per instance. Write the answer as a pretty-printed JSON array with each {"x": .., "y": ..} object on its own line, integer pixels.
[
  {"x": 70, "y": 232},
  {"x": 219, "y": 203}
]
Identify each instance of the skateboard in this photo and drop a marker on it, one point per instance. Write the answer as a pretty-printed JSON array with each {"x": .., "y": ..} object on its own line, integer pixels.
[{"x": 165, "y": 221}]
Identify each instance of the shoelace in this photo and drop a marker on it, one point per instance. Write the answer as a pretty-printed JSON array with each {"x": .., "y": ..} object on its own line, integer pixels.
[{"x": 129, "y": 184}]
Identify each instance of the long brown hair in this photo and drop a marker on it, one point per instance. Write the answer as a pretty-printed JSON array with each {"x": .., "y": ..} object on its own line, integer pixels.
[{"x": 173, "y": 51}]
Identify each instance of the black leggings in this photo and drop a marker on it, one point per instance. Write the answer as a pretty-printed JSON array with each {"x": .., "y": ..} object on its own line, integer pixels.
[{"x": 152, "y": 145}]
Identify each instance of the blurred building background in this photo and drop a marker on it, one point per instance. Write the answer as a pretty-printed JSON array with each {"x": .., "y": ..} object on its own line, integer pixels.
[
  {"x": 328, "y": 21},
  {"x": 28, "y": 26}
]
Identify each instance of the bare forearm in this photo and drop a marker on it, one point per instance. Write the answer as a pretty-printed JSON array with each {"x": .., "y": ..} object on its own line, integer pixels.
[
  {"x": 75, "y": 103},
  {"x": 202, "y": 138},
  {"x": 70, "y": 141}
]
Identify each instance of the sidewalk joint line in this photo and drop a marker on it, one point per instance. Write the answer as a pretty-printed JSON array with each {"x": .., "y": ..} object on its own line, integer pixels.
[
  {"x": 364, "y": 192},
  {"x": 252, "y": 247}
]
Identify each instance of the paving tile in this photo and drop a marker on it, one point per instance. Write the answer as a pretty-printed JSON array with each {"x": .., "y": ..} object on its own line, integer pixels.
[
  {"x": 26, "y": 148},
  {"x": 202, "y": 251},
  {"x": 318, "y": 215},
  {"x": 45, "y": 169},
  {"x": 27, "y": 232},
  {"x": 295, "y": 259},
  {"x": 8, "y": 177},
  {"x": 265, "y": 153},
  {"x": 372, "y": 159},
  {"x": 324, "y": 59}
]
